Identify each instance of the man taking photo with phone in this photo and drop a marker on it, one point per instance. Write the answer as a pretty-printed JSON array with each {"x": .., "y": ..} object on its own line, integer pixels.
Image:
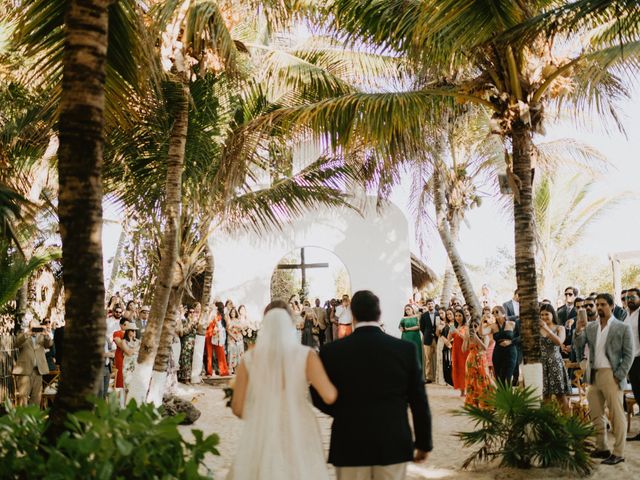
[{"x": 32, "y": 362}]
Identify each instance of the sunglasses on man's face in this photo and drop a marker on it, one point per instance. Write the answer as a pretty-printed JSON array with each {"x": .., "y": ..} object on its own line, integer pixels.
[
  {"x": 568, "y": 294},
  {"x": 117, "y": 312},
  {"x": 589, "y": 305}
]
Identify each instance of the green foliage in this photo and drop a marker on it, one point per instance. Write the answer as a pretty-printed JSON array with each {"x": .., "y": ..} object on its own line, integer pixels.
[
  {"x": 522, "y": 433},
  {"x": 106, "y": 443}
]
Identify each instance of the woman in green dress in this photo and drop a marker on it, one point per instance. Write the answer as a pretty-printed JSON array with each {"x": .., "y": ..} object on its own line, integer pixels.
[{"x": 410, "y": 328}]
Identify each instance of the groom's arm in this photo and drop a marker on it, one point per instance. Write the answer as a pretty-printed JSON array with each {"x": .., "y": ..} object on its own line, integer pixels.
[
  {"x": 419, "y": 405},
  {"x": 315, "y": 396}
]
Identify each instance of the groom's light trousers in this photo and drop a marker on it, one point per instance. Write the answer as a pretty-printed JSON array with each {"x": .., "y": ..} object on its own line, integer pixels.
[{"x": 375, "y": 472}]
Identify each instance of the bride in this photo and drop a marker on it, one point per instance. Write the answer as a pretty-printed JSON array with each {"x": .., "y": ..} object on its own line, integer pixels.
[{"x": 280, "y": 438}]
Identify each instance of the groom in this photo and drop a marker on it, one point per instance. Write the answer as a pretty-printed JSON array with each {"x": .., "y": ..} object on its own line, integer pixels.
[{"x": 377, "y": 377}]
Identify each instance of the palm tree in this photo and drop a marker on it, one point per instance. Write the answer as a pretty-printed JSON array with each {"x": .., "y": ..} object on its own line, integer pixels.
[
  {"x": 67, "y": 42},
  {"x": 515, "y": 59},
  {"x": 563, "y": 213}
]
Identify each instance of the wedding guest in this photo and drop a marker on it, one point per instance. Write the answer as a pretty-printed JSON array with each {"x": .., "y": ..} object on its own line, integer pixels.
[
  {"x": 187, "y": 341},
  {"x": 458, "y": 354},
  {"x": 31, "y": 363},
  {"x": 466, "y": 310},
  {"x": 142, "y": 320},
  {"x": 487, "y": 322},
  {"x": 477, "y": 382},
  {"x": 235, "y": 341},
  {"x": 505, "y": 354},
  {"x": 208, "y": 346},
  {"x": 131, "y": 312},
  {"x": 611, "y": 355},
  {"x": 487, "y": 298},
  {"x": 447, "y": 330},
  {"x": 344, "y": 318},
  {"x": 118, "y": 359},
  {"x": 633, "y": 320},
  {"x": 321, "y": 317},
  {"x": 410, "y": 328},
  {"x": 568, "y": 310},
  {"x": 428, "y": 322},
  {"x": 333, "y": 319},
  {"x": 131, "y": 347},
  {"x": 309, "y": 338},
  {"x": 554, "y": 374},
  {"x": 219, "y": 341},
  {"x": 440, "y": 346},
  {"x": 512, "y": 307}
]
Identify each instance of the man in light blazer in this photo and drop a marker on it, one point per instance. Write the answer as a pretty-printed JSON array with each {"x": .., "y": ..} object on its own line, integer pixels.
[
  {"x": 32, "y": 362},
  {"x": 610, "y": 358}
]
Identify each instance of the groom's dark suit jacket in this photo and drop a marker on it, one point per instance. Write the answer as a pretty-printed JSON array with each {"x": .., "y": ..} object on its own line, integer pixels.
[{"x": 377, "y": 377}]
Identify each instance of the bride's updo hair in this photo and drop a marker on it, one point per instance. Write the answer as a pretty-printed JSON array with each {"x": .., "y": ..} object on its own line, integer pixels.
[
  {"x": 278, "y": 303},
  {"x": 365, "y": 306}
]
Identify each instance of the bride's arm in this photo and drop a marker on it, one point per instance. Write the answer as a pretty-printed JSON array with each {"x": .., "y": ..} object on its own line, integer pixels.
[
  {"x": 318, "y": 378},
  {"x": 239, "y": 390}
]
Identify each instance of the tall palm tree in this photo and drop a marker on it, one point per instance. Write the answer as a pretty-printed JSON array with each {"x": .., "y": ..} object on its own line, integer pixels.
[
  {"x": 515, "y": 59},
  {"x": 67, "y": 40}
]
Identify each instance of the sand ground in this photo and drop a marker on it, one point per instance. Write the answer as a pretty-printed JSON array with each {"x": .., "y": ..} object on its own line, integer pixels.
[{"x": 444, "y": 461}]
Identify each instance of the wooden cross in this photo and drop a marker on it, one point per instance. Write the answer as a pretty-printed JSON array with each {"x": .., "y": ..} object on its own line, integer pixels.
[{"x": 302, "y": 266}]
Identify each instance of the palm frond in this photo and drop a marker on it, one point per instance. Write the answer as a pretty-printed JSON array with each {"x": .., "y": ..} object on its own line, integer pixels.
[
  {"x": 16, "y": 271},
  {"x": 206, "y": 32},
  {"x": 323, "y": 182}
]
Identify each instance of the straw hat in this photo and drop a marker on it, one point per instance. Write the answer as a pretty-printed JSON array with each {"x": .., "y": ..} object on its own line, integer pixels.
[{"x": 130, "y": 326}]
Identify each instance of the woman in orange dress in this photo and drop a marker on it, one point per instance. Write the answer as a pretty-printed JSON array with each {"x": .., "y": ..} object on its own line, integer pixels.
[
  {"x": 458, "y": 353},
  {"x": 477, "y": 382}
]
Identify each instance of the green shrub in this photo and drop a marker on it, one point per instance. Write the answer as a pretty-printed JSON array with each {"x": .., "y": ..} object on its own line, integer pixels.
[
  {"x": 523, "y": 433},
  {"x": 106, "y": 443}
]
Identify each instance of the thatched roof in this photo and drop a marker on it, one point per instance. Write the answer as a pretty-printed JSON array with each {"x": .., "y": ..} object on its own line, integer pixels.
[{"x": 421, "y": 275}]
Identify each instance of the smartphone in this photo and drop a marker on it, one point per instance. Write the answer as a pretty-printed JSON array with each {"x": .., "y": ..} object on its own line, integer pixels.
[
  {"x": 582, "y": 314},
  {"x": 37, "y": 329}
]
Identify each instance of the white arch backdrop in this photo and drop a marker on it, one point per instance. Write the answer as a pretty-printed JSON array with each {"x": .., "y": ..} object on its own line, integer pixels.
[{"x": 373, "y": 247}]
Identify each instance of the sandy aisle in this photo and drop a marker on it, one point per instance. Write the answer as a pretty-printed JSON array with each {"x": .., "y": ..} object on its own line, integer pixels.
[{"x": 444, "y": 461}]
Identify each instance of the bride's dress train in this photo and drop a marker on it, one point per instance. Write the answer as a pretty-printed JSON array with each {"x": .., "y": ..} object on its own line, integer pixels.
[{"x": 280, "y": 438}]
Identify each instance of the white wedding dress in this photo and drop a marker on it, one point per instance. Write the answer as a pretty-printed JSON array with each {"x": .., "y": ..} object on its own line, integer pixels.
[{"x": 280, "y": 438}]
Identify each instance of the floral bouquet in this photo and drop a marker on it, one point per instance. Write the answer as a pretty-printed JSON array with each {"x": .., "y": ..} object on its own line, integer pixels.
[{"x": 250, "y": 332}]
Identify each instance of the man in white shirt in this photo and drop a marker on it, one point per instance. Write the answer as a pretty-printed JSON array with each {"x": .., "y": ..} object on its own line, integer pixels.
[
  {"x": 611, "y": 356},
  {"x": 633, "y": 320},
  {"x": 343, "y": 315}
]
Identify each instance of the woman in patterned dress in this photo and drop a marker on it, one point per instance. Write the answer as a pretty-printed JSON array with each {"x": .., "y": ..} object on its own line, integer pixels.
[
  {"x": 187, "y": 341},
  {"x": 130, "y": 353},
  {"x": 554, "y": 374},
  {"x": 487, "y": 322},
  {"x": 235, "y": 341},
  {"x": 477, "y": 382},
  {"x": 459, "y": 352}
]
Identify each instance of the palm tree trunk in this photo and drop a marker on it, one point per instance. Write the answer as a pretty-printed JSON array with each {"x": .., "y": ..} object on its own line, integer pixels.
[
  {"x": 525, "y": 243},
  {"x": 449, "y": 245},
  {"x": 118, "y": 256},
  {"x": 449, "y": 275},
  {"x": 169, "y": 250},
  {"x": 159, "y": 376},
  {"x": 207, "y": 283},
  {"x": 80, "y": 157}
]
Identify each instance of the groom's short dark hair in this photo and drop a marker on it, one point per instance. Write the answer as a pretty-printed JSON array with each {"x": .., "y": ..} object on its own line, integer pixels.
[{"x": 365, "y": 306}]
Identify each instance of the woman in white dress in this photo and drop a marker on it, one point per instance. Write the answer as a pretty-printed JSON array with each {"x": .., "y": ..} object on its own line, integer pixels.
[{"x": 280, "y": 438}]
